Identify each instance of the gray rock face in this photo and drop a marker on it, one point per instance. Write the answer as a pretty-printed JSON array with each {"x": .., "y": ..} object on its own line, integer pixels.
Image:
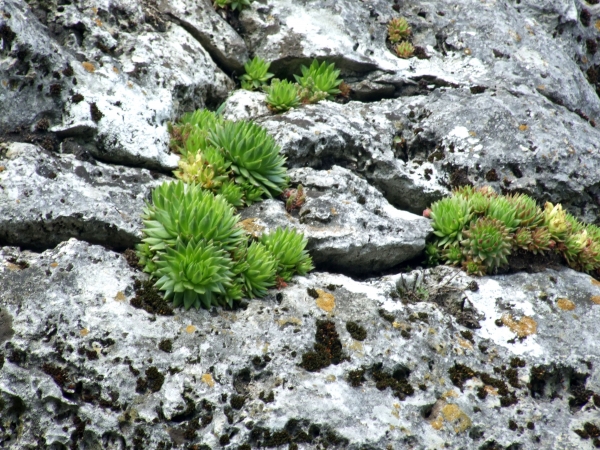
[
  {"x": 84, "y": 367},
  {"x": 499, "y": 93},
  {"x": 349, "y": 225},
  {"x": 117, "y": 75},
  {"x": 47, "y": 199}
]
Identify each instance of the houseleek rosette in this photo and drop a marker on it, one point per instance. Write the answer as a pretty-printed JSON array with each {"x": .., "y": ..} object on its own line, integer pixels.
[
  {"x": 502, "y": 209},
  {"x": 288, "y": 248},
  {"x": 254, "y": 155},
  {"x": 195, "y": 274},
  {"x": 319, "y": 81},
  {"x": 487, "y": 241},
  {"x": 261, "y": 270},
  {"x": 450, "y": 216}
]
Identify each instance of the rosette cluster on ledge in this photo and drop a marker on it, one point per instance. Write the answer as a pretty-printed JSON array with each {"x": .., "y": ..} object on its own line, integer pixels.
[
  {"x": 478, "y": 229},
  {"x": 194, "y": 247}
]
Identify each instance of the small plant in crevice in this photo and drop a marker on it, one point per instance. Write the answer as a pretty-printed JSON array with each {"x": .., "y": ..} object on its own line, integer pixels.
[
  {"x": 318, "y": 81},
  {"x": 257, "y": 74},
  {"x": 199, "y": 255},
  {"x": 398, "y": 29},
  {"x": 238, "y": 160},
  {"x": 479, "y": 230},
  {"x": 294, "y": 198},
  {"x": 405, "y": 50},
  {"x": 282, "y": 95},
  {"x": 233, "y": 4}
]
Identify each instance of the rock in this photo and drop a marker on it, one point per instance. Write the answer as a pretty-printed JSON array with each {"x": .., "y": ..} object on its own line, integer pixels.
[
  {"x": 245, "y": 105},
  {"x": 115, "y": 76},
  {"x": 350, "y": 227},
  {"x": 49, "y": 198},
  {"x": 84, "y": 367}
]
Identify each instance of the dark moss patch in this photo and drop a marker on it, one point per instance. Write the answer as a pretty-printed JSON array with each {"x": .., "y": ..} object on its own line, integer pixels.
[
  {"x": 312, "y": 292},
  {"x": 588, "y": 431},
  {"x": 141, "y": 385},
  {"x": 77, "y": 98},
  {"x": 512, "y": 425},
  {"x": 327, "y": 349},
  {"x": 356, "y": 331},
  {"x": 296, "y": 432},
  {"x": 517, "y": 362},
  {"x": 492, "y": 175},
  {"x": 237, "y": 401},
  {"x": 459, "y": 373},
  {"x": 466, "y": 334},
  {"x": 95, "y": 113},
  {"x": 132, "y": 259},
  {"x": 356, "y": 377},
  {"x": 397, "y": 380},
  {"x": 386, "y": 316},
  {"x": 55, "y": 90},
  {"x": 585, "y": 16},
  {"x": 477, "y": 89},
  {"x": 42, "y": 125},
  {"x": 58, "y": 374},
  {"x": 7, "y": 35},
  {"x": 580, "y": 397},
  {"x": 148, "y": 298},
  {"x": 270, "y": 398},
  {"x": 155, "y": 379},
  {"x": 166, "y": 345}
]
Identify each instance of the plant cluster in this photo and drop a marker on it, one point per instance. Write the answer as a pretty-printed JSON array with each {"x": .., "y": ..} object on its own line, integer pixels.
[
  {"x": 233, "y": 4},
  {"x": 399, "y": 32},
  {"x": 238, "y": 160},
  {"x": 200, "y": 255},
  {"x": 478, "y": 229},
  {"x": 317, "y": 82}
]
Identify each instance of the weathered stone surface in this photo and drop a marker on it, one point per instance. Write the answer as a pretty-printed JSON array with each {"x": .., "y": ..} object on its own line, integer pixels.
[
  {"x": 84, "y": 367},
  {"x": 245, "y": 105},
  {"x": 350, "y": 227},
  {"x": 47, "y": 198},
  {"x": 114, "y": 74}
]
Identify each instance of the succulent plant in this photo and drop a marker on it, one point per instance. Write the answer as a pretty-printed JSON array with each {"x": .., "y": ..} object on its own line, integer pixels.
[
  {"x": 506, "y": 212},
  {"x": 541, "y": 240},
  {"x": 240, "y": 4},
  {"x": 573, "y": 247},
  {"x": 432, "y": 254},
  {"x": 478, "y": 198},
  {"x": 254, "y": 155},
  {"x": 195, "y": 274},
  {"x": 488, "y": 241},
  {"x": 257, "y": 73},
  {"x": 319, "y": 81},
  {"x": 474, "y": 267},
  {"x": 523, "y": 238},
  {"x": 398, "y": 29},
  {"x": 282, "y": 95},
  {"x": 261, "y": 271},
  {"x": 528, "y": 213},
  {"x": 221, "y": 3},
  {"x": 453, "y": 254},
  {"x": 184, "y": 212},
  {"x": 294, "y": 198},
  {"x": 405, "y": 50},
  {"x": 555, "y": 220},
  {"x": 288, "y": 248},
  {"x": 207, "y": 168},
  {"x": 190, "y": 132},
  {"x": 450, "y": 216}
]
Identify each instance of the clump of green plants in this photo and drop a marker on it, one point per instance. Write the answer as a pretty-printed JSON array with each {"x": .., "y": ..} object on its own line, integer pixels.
[
  {"x": 199, "y": 255},
  {"x": 282, "y": 95},
  {"x": 478, "y": 229},
  {"x": 257, "y": 74},
  {"x": 233, "y": 4},
  {"x": 318, "y": 81},
  {"x": 399, "y": 32},
  {"x": 238, "y": 160}
]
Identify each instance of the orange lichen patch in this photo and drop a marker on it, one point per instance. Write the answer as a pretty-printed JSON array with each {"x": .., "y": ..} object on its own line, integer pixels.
[
  {"x": 120, "y": 297},
  {"x": 208, "y": 379},
  {"x": 472, "y": 133},
  {"x": 525, "y": 326},
  {"x": 115, "y": 70},
  {"x": 565, "y": 304},
  {"x": 98, "y": 22},
  {"x": 356, "y": 346},
  {"x": 325, "y": 300},
  {"x": 490, "y": 390},
  {"x": 597, "y": 25},
  {"x": 334, "y": 211},
  {"x": 465, "y": 344},
  {"x": 523, "y": 127},
  {"x": 541, "y": 87},
  {"x": 89, "y": 66},
  {"x": 54, "y": 264},
  {"x": 289, "y": 321},
  {"x": 2, "y": 168},
  {"x": 84, "y": 332},
  {"x": 595, "y": 282},
  {"x": 595, "y": 299},
  {"x": 251, "y": 227},
  {"x": 13, "y": 267},
  {"x": 450, "y": 393},
  {"x": 190, "y": 329},
  {"x": 457, "y": 417},
  {"x": 438, "y": 423}
]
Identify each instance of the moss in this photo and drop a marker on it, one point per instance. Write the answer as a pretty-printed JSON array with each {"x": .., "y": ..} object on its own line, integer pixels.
[
  {"x": 356, "y": 377},
  {"x": 312, "y": 292},
  {"x": 141, "y": 385},
  {"x": 95, "y": 113},
  {"x": 58, "y": 374},
  {"x": 267, "y": 398},
  {"x": 224, "y": 439},
  {"x": 581, "y": 396},
  {"x": 55, "y": 90},
  {"x": 356, "y": 331},
  {"x": 327, "y": 349},
  {"x": 237, "y": 401},
  {"x": 155, "y": 379},
  {"x": 166, "y": 345},
  {"x": 467, "y": 335},
  {"x": 517, "y": 362},
  {"x": 386, "y": 316},
  {"x": 459, "y": 373},
  {"x": 148, "y": 298},
  {"x": 77, "y": 98},
  {"x": 7, "y": 35},
  {"x": 530, "y": 426},
  {"x": 397, "y": 380},
  {"x": 589, "y": 430},
  {"x": 512, "y": 425}
]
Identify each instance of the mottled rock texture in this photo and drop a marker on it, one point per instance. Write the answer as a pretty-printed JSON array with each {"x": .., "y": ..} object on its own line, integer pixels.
[{"x": 498, "y": 93}]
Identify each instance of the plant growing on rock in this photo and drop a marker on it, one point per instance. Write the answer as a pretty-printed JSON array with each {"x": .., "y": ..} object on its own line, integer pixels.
[
  {"x": 282, "y": 95},
  {"x": 398, "y": 29},
  {"x": 478, "y": 229},
  {"x": 318, "y": 82},
  {"x": 193, "y": 245},
  {"x": 294, "y": 198},
  {"x": 405, "y": 50},
  {"x": 257, "y": 74},
  {"x": 233, "y": 4}
]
